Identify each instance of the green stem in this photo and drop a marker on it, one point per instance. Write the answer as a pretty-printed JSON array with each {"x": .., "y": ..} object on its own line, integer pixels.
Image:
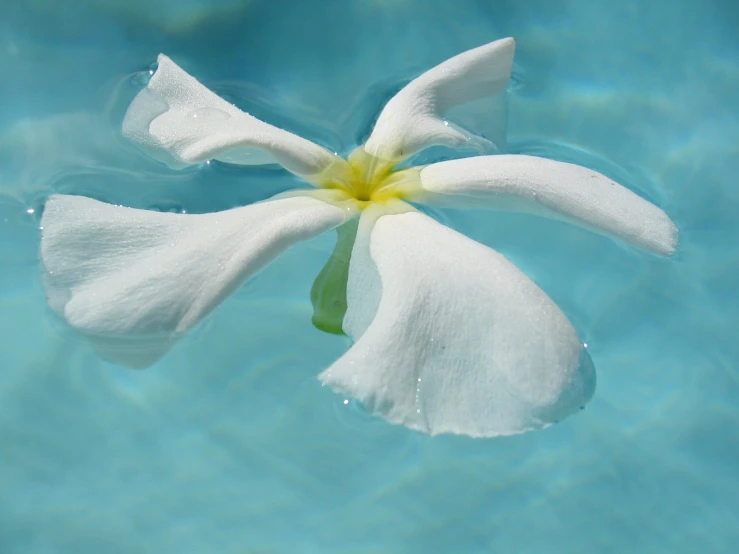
[{"x": 328, "y": 294}]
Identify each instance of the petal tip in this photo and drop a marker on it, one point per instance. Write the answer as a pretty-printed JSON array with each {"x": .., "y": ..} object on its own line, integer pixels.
[
  {"x": 163, "y": 60},
  {"x": 507, "y": 44},
  {"x": 672, "y": 239},
  {"x": 508, "y": 41},
  {"x": 664, "y": 238}
]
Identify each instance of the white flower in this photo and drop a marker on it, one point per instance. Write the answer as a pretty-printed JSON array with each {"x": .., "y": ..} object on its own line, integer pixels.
[{"x": 450, "y": 337}]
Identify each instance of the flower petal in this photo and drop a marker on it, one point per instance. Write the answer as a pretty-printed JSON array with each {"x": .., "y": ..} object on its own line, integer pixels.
[
  {"x": 453, "y": 338},
  {"x": 552, "y": 189},
  {"x": 411, "y": 120},
  {"x": 134, "y": 280},
  {"x": 180, "y": 122}
]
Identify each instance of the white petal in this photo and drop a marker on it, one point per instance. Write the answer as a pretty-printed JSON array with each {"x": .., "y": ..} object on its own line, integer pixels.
[
  {"x": 412, "y": 119},
  {"x": 552, "y": 189},
  {"x": 180, "y": 122},
  {"x": 134, "y": 280},
  {"x": 453, "y": 338}
]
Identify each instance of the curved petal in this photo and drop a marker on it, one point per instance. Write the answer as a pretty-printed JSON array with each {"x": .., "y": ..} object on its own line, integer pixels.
[
  {"x": 134, "y": 280},
  {"x": 453, "y": 338},
  {"x": 412, "y": 119},
  {"x": 180, "y": 122},
  {"x": 552, "y": 189}
]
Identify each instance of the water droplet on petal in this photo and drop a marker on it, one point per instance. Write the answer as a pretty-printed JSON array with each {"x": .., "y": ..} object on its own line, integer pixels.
[
  {"x": 142, "y": 78},
  {"x": 209, "y": 115}
]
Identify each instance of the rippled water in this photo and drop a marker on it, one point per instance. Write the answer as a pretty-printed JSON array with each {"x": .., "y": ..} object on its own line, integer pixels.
[{"x": 230, "y": 444}]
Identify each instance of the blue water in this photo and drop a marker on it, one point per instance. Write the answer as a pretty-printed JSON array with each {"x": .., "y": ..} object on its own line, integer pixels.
[{"x": 230, "y": 444}]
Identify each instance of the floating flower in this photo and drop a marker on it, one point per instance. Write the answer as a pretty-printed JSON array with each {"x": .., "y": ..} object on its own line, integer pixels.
[{"x": 449, "y": 336}]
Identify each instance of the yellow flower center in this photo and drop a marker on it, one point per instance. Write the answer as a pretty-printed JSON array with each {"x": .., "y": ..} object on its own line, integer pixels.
[{"x": 365, "y": 178}]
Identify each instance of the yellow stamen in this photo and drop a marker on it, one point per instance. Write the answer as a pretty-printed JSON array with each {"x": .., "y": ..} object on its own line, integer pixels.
[{"x": 366, "y": 178}]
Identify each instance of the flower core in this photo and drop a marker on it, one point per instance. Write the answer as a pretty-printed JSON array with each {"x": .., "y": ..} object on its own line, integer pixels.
[{"x": 365, "y": 178}]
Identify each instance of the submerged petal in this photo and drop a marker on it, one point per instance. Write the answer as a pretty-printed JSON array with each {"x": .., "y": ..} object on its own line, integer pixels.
[
  {"x": 552, "y": 189},
  {"x": 180, "y": 122},
  {"x": 134, "y": 280},
  {"x": 412, "y": 119},
  {"x": 453, "y": 338}
]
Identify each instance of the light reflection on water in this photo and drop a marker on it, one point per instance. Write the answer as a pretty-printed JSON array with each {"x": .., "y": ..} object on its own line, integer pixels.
[{"x": 230, "y": 443}]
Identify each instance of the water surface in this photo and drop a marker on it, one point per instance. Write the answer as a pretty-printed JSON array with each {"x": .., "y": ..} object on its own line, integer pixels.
[{"x": 230, "y": 444}]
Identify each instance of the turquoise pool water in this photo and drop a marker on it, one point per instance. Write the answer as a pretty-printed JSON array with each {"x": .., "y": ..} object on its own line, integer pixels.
[{"x": 230, "y": 444}]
